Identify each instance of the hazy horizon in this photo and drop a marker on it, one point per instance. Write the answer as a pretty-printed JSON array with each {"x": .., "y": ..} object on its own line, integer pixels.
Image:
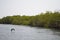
[{"x": 27, "y": 7}]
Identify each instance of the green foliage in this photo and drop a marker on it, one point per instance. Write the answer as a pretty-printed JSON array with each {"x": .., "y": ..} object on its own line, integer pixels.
[
  {"x": 47, "y": 20},
  {"x": 0, "y": 21}
]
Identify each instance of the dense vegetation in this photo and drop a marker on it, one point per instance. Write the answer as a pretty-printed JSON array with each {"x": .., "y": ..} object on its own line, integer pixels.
[{"x": 47, "y": 20}]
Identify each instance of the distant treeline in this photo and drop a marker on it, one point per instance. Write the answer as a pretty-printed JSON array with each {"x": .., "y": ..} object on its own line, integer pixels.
[{"x": 47, "y": 20}]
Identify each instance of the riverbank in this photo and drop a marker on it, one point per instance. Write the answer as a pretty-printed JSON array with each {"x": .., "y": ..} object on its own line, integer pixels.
[{"x": 46, "y": 20}]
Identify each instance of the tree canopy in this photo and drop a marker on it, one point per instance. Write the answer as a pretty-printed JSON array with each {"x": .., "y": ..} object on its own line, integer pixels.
[{"x": 47, "y": 20}]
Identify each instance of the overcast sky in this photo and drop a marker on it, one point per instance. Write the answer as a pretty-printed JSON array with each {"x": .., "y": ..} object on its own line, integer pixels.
[{"x": 27, "y": 7}]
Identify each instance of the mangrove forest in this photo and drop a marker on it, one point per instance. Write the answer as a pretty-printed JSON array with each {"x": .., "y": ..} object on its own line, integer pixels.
[{"x": 47, "y": 20}]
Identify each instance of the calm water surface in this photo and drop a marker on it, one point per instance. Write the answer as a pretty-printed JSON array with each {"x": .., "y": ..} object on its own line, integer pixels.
[{"x": 27, "y": 33}]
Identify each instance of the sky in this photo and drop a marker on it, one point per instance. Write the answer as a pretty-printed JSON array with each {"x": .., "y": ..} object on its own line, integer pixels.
[{"x": 27, "y": 7}]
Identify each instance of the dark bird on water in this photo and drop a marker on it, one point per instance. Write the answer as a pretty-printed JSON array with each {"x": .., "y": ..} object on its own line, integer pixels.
[{"x": 12, "y": 29}]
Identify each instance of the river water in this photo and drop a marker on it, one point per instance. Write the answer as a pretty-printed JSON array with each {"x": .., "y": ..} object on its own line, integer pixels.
[{"x": 27, "y": 33}]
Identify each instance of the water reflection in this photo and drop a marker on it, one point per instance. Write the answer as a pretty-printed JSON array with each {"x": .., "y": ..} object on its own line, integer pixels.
[
  {"x": 56, "y": 32},
  {"x": 27, "y": 33}
]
